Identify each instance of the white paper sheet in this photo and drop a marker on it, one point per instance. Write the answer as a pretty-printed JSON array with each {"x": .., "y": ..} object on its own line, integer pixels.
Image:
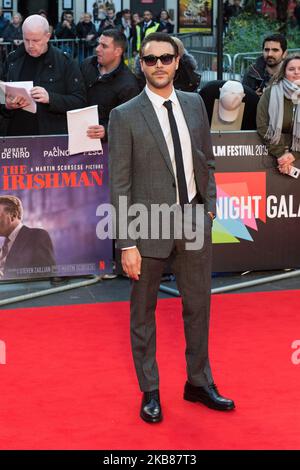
[
  {"x": 78, "y": 122},
  {"x": 20, "y": 89}
]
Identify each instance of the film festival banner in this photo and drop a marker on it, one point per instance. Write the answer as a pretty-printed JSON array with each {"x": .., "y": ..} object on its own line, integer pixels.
[
  {"x": 61, "y": 196},
  {"x": 195, "y": 16},
  {"x": 258, "y": 209}
]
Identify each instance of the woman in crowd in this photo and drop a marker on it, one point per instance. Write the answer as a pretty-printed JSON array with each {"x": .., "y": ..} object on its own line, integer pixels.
[
  {"x": 136, "y": 19},
  {"x": 187, "y": 77},
  {"x": 278, "y": 115},
  {"x": 86, "y": 31},
  {"x": 166, "y": 25}
]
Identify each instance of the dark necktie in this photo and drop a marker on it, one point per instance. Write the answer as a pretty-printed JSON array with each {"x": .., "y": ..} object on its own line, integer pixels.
[
  {"x": 4, "y": 251},
  {"x": 182, "y": 187}
]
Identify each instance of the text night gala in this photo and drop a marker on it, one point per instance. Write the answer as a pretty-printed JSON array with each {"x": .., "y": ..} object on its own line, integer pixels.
[
  {"x": 241, "y": 207},
  {"x": 17, "y": 177}
]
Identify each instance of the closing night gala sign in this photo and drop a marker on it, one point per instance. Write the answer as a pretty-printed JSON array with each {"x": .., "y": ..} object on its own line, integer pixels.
[{"x": 258, "y": 209}]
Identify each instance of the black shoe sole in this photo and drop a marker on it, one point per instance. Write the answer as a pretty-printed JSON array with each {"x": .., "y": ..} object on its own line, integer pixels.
[
  {"x": 207, "y": 403},
  {"x": 148, "y": 419}
]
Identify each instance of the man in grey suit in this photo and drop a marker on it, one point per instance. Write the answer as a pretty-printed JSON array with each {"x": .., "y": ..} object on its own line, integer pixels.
[{"x": 160, "y": 153}]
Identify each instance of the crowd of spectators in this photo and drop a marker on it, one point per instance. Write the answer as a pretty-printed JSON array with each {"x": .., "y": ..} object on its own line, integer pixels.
[
  {"x": 90, "y": 25},
  {"x": 104, "y": 78},
  {"x": 97, "y": 77}
]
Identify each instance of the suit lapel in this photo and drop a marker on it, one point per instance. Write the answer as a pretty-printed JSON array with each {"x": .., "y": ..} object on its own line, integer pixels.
[
  {"x": 188, "y": 115},
  {"x": 17, "y": 246},
  {"x": 154, "y": 126}
]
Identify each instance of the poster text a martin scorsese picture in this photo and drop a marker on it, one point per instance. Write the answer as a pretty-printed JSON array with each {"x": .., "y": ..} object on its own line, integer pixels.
[{"x": 48, "y": 209}]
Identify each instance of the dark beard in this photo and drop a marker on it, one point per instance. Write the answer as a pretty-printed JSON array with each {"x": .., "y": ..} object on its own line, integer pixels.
[{"x": 272, "y": 64}]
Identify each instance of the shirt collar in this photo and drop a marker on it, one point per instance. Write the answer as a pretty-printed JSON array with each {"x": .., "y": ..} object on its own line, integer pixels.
[
  {"x": 158, "y": 100},
  {"x": 112, "y": 73},
  {"x": 13, "y": 235}
]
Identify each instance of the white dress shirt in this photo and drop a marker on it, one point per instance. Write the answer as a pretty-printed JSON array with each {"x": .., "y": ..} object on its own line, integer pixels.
[{"x": 184, "y": 135}]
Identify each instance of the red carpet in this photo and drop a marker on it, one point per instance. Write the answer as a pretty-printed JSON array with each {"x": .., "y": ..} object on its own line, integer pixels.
[{"x": 69, "y": 381}]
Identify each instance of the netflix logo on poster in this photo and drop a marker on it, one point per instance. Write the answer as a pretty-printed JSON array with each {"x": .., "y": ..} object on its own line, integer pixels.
[{"x": 101, "y": 265}]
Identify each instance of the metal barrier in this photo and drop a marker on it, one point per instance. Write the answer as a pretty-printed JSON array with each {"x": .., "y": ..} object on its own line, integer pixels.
[
  {"x": 197, "y": 45},
  {"x": 238, "y": 285},
  {"x": 77, "y": 48},
  {"x": 207, "y": 65},
  {"x": 196, "y": 41},
  {"x": 234, "y": 67},
  {"x": 53, "y": 290},
  {"x": 242, "y": 61}
]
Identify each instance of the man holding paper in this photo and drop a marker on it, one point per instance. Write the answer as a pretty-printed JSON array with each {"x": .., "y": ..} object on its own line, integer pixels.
[
  {"x": 57, "y": 83},
  {"x": 108, "y": 81}
]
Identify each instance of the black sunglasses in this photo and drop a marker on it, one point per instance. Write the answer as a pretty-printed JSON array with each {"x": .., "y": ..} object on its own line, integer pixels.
[{"x": 150, "y": 60}]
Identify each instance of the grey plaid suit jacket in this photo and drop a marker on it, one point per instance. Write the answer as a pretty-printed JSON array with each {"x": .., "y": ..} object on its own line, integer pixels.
[{"x": 140, "y": 167}]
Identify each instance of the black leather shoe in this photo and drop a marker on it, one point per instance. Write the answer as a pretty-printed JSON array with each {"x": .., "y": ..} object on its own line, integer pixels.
[
  {"x": 151, "y": 409},
  {"x": 207, "y": 395}
]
